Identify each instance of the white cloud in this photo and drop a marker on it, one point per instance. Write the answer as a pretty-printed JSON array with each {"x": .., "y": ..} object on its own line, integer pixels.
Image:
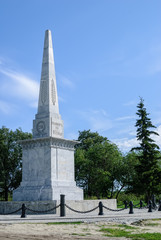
[
  {"x": 132, "y": 133},
  {"x": 128, "y": 130},
  {"x": 22, "y": 85},
  {"x": 125, "y": 118},
  {"x": 19, "y": 85},
  {"x": 157, "y": 139},
  {"x": 97, "y": 119},
  {"x": 126, "y": 144}
]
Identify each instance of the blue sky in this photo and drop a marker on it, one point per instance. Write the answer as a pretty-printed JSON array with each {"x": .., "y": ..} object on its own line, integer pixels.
[{"x": 107, "y": 54}]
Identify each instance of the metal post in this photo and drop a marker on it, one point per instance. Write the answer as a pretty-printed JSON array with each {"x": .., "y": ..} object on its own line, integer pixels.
[
  {"x": 100, "y": 208},
  {"x": 125, "y": 202},
  {"x": 141, "y": 203},
  {"x": 23, "y": 214},
  {"x": 150, "y": 206},
  {"x": 131, "y": 207},
  {"x": 62, "y": 205},
  {"x": 159, "y": 209}
]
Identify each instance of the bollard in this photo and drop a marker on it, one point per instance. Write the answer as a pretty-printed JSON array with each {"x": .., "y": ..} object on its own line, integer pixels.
[
  {"x": 159, "y": 209},
  {"x": 125, "y": 202},
  {"x": 150, "y": 206},
  {"x": 131, "y": 207},
  {"x": 100, "y": 208},
  {"x": 23, "y": 215},
  {"x": 141, "y": 203},
  {"x": 62, "y": 205}
]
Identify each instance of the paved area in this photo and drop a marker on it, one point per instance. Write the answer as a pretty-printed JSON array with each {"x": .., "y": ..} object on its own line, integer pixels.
[{"x": 109, "y": 216}]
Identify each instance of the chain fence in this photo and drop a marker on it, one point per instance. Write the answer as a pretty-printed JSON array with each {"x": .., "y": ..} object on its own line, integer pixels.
[
  {"x": 114, "y": 210},
  {"x": 24, "y": 208},
  {"x": 10, "y": 213},
  {"x": 77, "y": 211},
  {"x": 46, "y": 211},
  {"x": 151, "y": 207}
]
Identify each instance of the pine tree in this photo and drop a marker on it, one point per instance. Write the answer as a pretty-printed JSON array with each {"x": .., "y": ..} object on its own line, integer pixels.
[{"x": 148, "y": 172}]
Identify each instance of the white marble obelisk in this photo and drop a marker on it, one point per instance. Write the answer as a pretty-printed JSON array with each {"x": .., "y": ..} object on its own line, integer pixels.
[
  {"x": 48, "y": 120},
  {"x": 48, "y": 159}
]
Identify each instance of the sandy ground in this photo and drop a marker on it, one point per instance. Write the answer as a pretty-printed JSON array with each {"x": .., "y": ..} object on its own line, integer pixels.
[{"x": 39, "y": 231}]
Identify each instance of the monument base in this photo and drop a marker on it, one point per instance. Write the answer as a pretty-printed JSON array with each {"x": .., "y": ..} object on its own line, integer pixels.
[
  {"x": 36, "y": 206},
  {"x": 48, "y": 171},
  {"x": 45, "y": 193},
  {"x": 42, "y": 207}
]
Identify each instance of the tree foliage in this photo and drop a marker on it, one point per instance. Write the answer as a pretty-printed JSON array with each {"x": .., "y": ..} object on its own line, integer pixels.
[
  {"x": 97, "y": 164},
  {"x": 127, "y": 173},
  {"x": 11, "y": 158},
  {"x": 148, "y": 172}
]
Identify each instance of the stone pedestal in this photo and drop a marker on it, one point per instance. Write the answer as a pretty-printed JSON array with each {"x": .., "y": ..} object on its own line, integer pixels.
[{"x": 48, "y": 171}]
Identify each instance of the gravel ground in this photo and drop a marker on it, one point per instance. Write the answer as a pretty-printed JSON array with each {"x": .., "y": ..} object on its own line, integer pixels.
[{"x": 40, "y": 231}]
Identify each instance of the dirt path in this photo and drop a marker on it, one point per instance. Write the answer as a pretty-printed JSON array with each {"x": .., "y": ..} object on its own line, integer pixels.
[{"x": 35, "y": 231}]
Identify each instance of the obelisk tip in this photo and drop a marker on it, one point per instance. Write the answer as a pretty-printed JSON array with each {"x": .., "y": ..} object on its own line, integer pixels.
[{"x": 48, "y": 30}]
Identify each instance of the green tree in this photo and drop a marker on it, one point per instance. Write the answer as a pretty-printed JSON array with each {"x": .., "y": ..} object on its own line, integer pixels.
[
  {"x": 147, "y": 169},
  {"x": 97, "y": 164},
  {"x": 11, "y": 159},
  {"x": 127, "y": 173}
]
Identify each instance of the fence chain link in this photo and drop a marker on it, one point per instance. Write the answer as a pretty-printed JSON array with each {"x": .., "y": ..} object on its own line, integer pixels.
[
  {"x": 36, "y": 211},
  {"x": 12, "y": 212},
  {"x": 81, "y": 211},
  {"x": 114, "y": 210}
]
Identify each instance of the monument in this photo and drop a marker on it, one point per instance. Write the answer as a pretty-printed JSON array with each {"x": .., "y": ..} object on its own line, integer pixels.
[{"x": 48, "y": 158}]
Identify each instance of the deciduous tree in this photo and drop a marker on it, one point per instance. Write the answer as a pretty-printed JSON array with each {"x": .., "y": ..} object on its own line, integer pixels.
[
  {"x": 10, "y": 158},
  {"x": 97, "y": 164}
]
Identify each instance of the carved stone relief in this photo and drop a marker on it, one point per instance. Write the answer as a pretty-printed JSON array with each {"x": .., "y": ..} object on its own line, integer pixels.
[
  {"x": 52, "y": 142},
  {"x": 43, "y": 92},
  {"x": 40, "y": 126}
]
